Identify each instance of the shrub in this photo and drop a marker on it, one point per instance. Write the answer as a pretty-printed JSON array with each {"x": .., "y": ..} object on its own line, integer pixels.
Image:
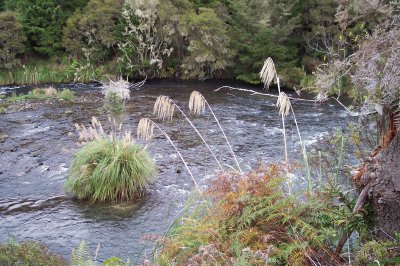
[
  {"x": 252, "y": 221},
  {"x": 28, "y": 253},
  {"x": 66, "y": 94},
  {"x": 110, "y": 170},
  {"x": 89, "y": 32},
  {"x": 12, "y": 39},
  {"x": 3, "y": 110}
]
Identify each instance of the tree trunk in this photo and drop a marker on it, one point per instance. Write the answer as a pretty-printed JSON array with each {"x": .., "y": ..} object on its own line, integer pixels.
[{"x": 383, "y": 171}]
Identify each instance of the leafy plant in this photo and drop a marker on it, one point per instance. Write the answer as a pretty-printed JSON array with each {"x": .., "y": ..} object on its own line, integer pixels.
[
  {"x": 66, "y": 94},
  {"x": 251, "y": 221},
  {"x": 28, "y": 253},
  {"x": 12, "y": 39},
  {"x": 80, "y": 256},
  {"x": 110, "y": 170}
]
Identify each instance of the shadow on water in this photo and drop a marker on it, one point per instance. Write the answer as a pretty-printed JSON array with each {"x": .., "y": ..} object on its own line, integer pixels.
[{"x": 37, "y": 144}]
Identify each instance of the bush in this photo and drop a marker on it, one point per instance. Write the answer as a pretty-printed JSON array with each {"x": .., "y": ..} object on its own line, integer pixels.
[
  {"x": 66, "y": 94},
  {"x": 250, "y": 220},
  {"x": 35, "y": 94},
  {"x": 89, "y": 32},
  {"x": 12, "y": 40},
  {"x": 110, "y": 170},
  {"x": 28, "y": 253}
]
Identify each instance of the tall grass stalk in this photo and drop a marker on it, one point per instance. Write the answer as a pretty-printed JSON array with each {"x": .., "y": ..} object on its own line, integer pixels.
[
  {"x": 320, "y": 170},
  {"x": 164, "y": 107},
  {"x": 145, "y": 132},
  {"x": 197, "y": 104},
  {"x": 339, "y": 166},
  {"x": 304, "y": 153},
  {"x": 283, "y": 124}
]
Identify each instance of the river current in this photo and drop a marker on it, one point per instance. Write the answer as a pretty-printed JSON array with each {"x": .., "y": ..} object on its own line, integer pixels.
[{"x": 39, "y": 141}]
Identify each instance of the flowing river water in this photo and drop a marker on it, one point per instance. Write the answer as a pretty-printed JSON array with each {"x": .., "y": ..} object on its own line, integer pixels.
[{"x": 38, "y": 142}]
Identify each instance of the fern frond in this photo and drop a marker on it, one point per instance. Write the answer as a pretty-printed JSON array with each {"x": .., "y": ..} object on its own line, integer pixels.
[{"x": 80, "y": 256}]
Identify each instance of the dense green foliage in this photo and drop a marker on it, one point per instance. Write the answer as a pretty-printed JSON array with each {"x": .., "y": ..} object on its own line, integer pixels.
[
  {"x": 11, "y": 40},
  {"x": 184, "y": 38},
  {"x": 43, "y": 21},
  {"x": 28, "y": 253},
  {"x": 42, "y": 94},
  {"x": 106, "y": 170},
  {"x": 251, "y": 221},
  {"x": 89, "y": 32}
]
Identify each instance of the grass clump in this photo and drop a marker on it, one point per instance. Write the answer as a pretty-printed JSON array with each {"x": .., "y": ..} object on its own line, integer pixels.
[
  {"x": 110, "y": 170},
  {"x": 28, "y": 253},
  {"x": 42, "y": 94},
  {"x": 66, "y": 94},
  {"x": 3, "y": 110}
]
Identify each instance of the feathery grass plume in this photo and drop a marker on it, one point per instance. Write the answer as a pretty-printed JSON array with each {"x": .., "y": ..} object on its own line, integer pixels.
[
  {"x": 197, "y": 105},
  {"x": 145, "y": 129},
  {"x": 119, "y": 87},
  {"x": 164, "y": 108},
  {"x": 94, "y": 132},
  {"x": 145, "y": 132},
  {"x": 268, "y": 72},
  {"x": 283, "y": 104}
]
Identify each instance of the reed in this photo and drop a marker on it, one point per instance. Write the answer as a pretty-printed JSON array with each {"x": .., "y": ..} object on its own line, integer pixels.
[
  {"x": 145, "y": 131},
  {"x": 197, "y": 104},
  {"x": 164, "y": 108},
  {"x": 267, "y": 75}
]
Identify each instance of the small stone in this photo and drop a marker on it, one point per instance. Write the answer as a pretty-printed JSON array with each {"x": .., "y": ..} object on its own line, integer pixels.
[{"x": 3, "y": 137}]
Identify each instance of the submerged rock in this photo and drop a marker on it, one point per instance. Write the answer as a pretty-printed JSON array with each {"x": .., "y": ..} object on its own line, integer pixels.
[{"x": 3, "y": 137}]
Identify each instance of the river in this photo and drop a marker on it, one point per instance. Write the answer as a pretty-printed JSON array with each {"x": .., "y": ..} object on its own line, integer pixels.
[{"x": 40, "y": 142}]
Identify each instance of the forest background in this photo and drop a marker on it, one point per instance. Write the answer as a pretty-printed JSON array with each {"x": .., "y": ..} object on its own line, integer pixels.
[{"x": 84, "y": 40}]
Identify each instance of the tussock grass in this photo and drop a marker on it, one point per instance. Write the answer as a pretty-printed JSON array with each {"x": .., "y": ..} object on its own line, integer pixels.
[
  {"x": 110, "y": 170},
  {"x": 42, "y": 94},
  {"x": 66, "y": 94}
]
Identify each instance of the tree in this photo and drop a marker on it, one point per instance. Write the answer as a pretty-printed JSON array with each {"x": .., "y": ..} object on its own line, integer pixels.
[
  {"x": 374, "y": 72},
  {"x": 12, "y": 40},
  {"x": 143, "y": 43},
  {"x": 256, "y": 35},
  {"x": 89, "y": 33},
  {"x": 43, "y": 21},
  {"x": 208, "y": 51}
]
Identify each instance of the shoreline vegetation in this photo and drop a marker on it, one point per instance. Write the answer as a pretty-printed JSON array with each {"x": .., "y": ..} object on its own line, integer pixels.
[{"x": 327, "y": 47}]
